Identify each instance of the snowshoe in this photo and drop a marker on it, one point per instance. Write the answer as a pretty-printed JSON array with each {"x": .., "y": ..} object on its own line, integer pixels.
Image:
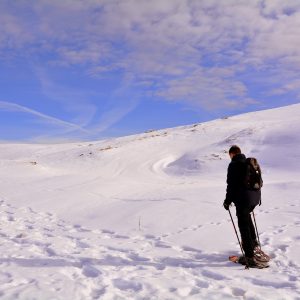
[
  {"x": 260, "y": 255},
  {"x": 248, "y": 262}
]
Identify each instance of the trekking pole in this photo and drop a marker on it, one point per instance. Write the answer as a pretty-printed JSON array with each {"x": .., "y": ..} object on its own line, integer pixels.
[
  {"x": 256, "y": 230},
  {"x": 246, "y": 261}
]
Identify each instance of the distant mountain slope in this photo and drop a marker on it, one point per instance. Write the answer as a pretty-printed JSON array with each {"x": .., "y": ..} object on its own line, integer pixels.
[
  {"x": 149, "y": 159},
  {"x": 141, "y": 217}
]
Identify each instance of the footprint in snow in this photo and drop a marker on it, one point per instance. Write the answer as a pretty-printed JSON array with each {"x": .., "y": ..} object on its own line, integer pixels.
[
  {"x": 79, "y": 228},
  {"x": 124, "y": 285},
  {"x": 120, "y": 236},
  {"x": 82, "y": 245},
  {"x": 136, "y": 257},
  {"x": 50, "y": 252},
  {"x": 97, "y": 293},
  {"x": 190, "y": 249},
  {"x": 238, "y": 292},
  {"x": 213, "y": 275},
  {"x": 106, "y": 231},
  {"x": 90, "y": 271},
  {"x": 160, "y": 244}
]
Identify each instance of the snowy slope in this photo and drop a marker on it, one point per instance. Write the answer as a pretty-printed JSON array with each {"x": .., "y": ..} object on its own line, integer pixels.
[{"x": 141, "y": 217}]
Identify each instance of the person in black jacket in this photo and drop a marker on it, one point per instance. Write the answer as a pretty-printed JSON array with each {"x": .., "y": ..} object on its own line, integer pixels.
[{"x": 244, "y": 199}]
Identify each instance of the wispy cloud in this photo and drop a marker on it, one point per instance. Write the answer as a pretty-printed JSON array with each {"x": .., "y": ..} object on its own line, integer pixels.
[
  {"x": 123, "y": 101},
  {"x": 97, "y": 116},
  {"x": 13, "y": 107},
  {"x": 71, "y": 99}
]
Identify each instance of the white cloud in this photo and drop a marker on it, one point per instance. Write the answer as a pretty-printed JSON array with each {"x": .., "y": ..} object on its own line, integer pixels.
[
  {"x": 214, "y": 88},
  {"x": 182, "y": 46},
  {"x": 276, "y": 8},
  {"x": 288, "y": 87}
]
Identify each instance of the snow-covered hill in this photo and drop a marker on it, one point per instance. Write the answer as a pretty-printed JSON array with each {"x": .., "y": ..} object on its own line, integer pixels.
[{"x": 141, "y": 217}]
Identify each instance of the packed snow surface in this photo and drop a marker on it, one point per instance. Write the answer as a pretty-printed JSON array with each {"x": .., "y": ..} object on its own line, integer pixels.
[{"x": 141, "y": 217}]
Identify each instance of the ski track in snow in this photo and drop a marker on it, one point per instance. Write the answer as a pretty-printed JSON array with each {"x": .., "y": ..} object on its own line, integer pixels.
[{"x": 42, "y": 255}]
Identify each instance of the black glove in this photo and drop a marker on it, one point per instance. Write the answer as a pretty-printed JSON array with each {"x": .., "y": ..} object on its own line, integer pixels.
[{"x": 226, "y": 205}]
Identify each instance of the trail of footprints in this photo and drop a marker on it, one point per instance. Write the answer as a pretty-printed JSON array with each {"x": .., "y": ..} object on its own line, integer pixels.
[{"x": 40, "y": 252}]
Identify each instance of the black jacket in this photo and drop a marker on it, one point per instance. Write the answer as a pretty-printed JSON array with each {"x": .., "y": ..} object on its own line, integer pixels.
[{"x": 237, "y": 192}]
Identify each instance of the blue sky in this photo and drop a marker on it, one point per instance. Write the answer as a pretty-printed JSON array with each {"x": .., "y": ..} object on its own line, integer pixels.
[{"x": 82, "y": 70}]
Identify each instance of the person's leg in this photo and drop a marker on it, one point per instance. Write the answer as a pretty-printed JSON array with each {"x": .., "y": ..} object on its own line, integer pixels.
[{"x": 244, "y": 226}]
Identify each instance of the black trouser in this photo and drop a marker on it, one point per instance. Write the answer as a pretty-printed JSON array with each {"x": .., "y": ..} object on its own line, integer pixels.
[{"x": 247, "y": 231}]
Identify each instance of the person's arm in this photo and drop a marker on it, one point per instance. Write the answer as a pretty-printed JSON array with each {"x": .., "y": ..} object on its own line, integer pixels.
[{"x": 230, "y": 186}]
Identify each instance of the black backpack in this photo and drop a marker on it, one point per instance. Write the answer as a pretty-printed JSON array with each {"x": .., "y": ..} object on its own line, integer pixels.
[{"x": 253, "y": 178}]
